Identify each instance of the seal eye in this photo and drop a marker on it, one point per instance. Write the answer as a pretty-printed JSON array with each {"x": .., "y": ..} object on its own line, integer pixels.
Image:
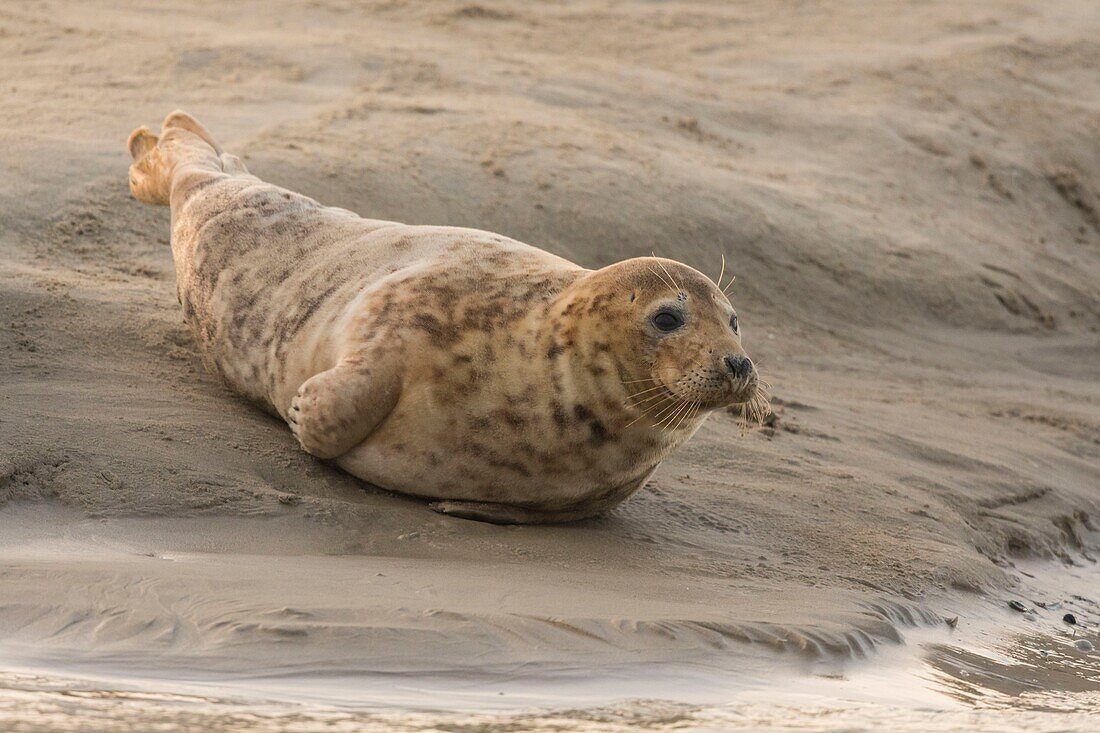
[
  {"x": 733, "y": 322},
  {"x": 667, "y": 321}
]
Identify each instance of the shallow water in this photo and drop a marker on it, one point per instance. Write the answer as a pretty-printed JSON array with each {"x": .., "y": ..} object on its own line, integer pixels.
[
  {"x": 866, "y": 701},
  {"x": 254, "y": 627},
  {"x": 99, "y": 635}
]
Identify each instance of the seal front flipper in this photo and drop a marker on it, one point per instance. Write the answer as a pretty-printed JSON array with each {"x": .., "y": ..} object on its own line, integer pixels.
[{"x": 337, "y": 409}]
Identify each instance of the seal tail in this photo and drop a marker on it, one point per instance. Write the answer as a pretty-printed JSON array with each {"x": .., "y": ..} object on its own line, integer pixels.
[{"x": 183, "y": 150}]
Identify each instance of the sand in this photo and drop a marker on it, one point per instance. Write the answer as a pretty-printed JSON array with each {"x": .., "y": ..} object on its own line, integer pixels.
[{"x": 908, "y": 193}]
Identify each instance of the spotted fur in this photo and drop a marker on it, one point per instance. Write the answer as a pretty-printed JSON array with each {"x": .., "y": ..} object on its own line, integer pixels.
[{"x": 448, "y": 363}]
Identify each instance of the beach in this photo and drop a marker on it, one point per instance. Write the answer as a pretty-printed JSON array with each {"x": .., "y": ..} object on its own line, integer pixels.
[{"x": 909, "y": 197}]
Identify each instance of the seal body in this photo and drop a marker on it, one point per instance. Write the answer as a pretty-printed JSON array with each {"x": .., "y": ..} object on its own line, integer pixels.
[{"x": 448, "y": 363}]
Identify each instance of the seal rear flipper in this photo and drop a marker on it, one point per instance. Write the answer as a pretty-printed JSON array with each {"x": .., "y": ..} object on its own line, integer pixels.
[
  {"x": 147, "y": 181},
  {"x": 184, "y": 150},
  {"x": 181, "y": 120},
  {"x": 337, "y": 409}
]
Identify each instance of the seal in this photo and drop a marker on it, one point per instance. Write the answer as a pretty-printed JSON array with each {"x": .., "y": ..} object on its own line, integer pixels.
[{"x": 503, "y": 382}]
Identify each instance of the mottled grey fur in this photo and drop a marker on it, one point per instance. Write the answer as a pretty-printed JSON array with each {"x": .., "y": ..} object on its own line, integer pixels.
[{"x": 449, "y": 363}]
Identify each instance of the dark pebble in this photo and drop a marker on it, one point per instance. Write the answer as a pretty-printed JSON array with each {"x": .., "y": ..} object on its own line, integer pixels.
[
  {"x": 1070, "y": 619},
  {"x": 1017, "y": 606}
]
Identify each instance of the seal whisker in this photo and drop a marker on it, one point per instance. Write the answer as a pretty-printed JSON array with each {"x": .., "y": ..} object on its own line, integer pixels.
[
  {"x": 644, "y": 412},
  {"x": 657, "y": 424},
  {"x": 660, "y": 416},
  {"x": 643, "y": 406},
  {"x": 668, "y": 407},
  {"x": 656, "y": 385},
  {"x": 725, "y": 290},
  {"x": 642, "y": 402},
  {"x": 683, "y": 409},
  {"x": 670, "y": 286},
  {"x": 651, "y": 389},
  {"x": 695, "y": 412},
  {"x": 666, "y": 421},
  {"x": 754, "y": 411},
  {"x": 678, "y": 286},
  {"x": 722, "y": 272},
  {"x": 687, "y": 413},
  {"x": 652, "y": 381},
  {"x": 662, "y": 278}
]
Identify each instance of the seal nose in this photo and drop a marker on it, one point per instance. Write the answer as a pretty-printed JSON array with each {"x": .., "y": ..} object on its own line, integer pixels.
[{"x": 738, "y": 365}]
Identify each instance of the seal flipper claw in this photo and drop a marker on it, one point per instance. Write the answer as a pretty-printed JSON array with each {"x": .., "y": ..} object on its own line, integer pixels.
[{"x": 337, "y": 409}]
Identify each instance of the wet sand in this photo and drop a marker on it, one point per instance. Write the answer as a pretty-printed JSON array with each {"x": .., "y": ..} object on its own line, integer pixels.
[
  {"x": 176, "y": 639},
  {"x": 908, "y": 195},
  {"x": 995, "y": 669}
]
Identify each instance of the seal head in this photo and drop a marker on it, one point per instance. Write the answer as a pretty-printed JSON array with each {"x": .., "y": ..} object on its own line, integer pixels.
[{"x": 674, "y": 336}]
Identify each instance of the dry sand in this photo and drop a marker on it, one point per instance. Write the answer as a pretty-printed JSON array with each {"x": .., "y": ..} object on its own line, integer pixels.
[{"x": 908, "y": 193}]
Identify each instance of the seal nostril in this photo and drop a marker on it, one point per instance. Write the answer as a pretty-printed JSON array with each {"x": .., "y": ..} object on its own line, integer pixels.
[{"x": 738, "y": 366}]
